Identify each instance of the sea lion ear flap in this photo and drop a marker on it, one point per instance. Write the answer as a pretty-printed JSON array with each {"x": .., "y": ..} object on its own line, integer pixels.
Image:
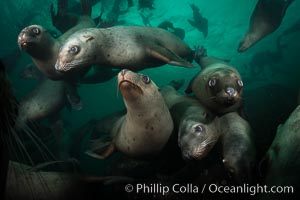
[
  {"x": 264, "y": 165},
  {"x": 189, "y": 90}
]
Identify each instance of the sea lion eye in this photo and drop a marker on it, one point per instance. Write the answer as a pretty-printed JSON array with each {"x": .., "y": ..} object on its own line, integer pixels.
[
  {"x": 36, "y": 31},
  {"x": 199, "y": 128},
  {"x": 74, "y": 49},
  {"x": 212, "y": 82},
  {"x": 240, "y": 83},
  {"x": 146, "y": 79}
]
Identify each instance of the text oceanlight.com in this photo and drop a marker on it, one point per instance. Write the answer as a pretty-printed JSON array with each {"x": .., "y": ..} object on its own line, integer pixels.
[{"x": 158, "y": 188}]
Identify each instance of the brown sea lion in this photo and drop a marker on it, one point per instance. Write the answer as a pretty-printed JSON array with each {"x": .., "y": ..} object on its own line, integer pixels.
[
  {"x": 282, "y": 162},
  {"x": 146, "y": 127},
  {"x": 238, "y": 148},
  {"x": 218, "y": 86},
  {"x": 131, "y": 47},
  {"x": 197, "y": 128},
  {"x": 265, "y": 19},
  {"x": 43, "y": 48}
]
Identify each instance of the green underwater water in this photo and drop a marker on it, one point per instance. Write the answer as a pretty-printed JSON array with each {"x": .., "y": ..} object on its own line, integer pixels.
[{"x": 270, "y": 88}]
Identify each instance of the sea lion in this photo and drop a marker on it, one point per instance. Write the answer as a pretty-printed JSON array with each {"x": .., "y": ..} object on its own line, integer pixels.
[
  {"x": 146, "y": 127},
  {"x": 282, "y": 162},
  {"x": 197, "y": 128},
  {"x": 43, "y": 48},
  {"x": 132, "y": 47},
  {"x": 47, "y": 99},
  {"x": 265, "y": 19},
  {"x": 218, "y": 86},
  {"x": 238, "y": 148},
  {"x": 199, "y": 22}
]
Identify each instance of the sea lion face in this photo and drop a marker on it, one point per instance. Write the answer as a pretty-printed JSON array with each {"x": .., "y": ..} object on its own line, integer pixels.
[
  {"x": 136, "y": 88},
  {"x": 32, "y": 38},
  {"x": 196, "y": 139},
  {"x": 77, "y": 52},
  {"x": 224, "y": 87}
]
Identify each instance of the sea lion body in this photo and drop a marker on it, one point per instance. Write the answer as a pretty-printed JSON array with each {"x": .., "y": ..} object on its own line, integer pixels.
[
  {"x": 197, "y": 128},
  {"x": 131, "y": 47},
  {"x": 218, "y": 86},
  {"x": 147, "y": 125},
  {"x": 283, "y": 161},
  {"x": 265, "y": 19},
  {"x": 238, "y": 149},
  {"x": 45, "y": 100}
]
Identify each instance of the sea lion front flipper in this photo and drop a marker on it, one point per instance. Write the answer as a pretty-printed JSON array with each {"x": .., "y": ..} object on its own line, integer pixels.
[
  {"x": 166, "y": 55},
  {"x": 100, "y": 148}
]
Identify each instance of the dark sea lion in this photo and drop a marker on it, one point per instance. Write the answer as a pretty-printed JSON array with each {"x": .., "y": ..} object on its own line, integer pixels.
[
  {"x": 146, "y": 127},
  {"x": 198, "y": 129},
  {"x": 282, "y": 162},
  {"x": 238, "y": 148},
  {"x": 43, "y": 48},
  {"x": 218, "y": 86},
  {"x": 132, "y": 47},
  {"x": 47, "y": 99},
  {"x": 265, "y": 19},
  {"x": 199, "y": 22}
]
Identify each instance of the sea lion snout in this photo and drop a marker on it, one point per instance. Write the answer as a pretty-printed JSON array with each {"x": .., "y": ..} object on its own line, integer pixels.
[{"x": 230, "y": 91}]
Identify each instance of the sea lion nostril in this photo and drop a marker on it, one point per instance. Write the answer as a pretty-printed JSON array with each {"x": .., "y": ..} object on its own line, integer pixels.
[
  {"x": 123, "y": 71},
  {"x": 230, "y": 91}
]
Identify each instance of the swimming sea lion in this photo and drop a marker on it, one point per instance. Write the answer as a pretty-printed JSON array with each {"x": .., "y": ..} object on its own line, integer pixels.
[
  {"x": 199, "y": 22},
  {"x": 43, "y": 48},
  {"x": 132, "y": 47},
  {"x": 47, "y": 99},
  {"x": 265, "y": 19},
  {"x": 218, "y": 86},
  {"x": 197, "y": 128},
  {"x": 282, "y": 161},
  {"x": 147, "y": 125},
  {"x": 238, "y": 149}
]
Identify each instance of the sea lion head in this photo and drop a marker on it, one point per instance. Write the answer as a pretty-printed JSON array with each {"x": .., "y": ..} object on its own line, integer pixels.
[
  {"x": 196, "y": 139},
  {"x": 33, "y": 39},
  {"x": 136, "y": 88},
  {"x": 78, "y": 51},
  {"x": 224, "y": 89}
]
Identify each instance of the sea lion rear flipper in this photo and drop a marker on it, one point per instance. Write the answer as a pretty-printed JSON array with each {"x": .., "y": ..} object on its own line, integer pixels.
[
  {"x": 100, "y": 148},
  {"x": 167, "y": 56}
]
